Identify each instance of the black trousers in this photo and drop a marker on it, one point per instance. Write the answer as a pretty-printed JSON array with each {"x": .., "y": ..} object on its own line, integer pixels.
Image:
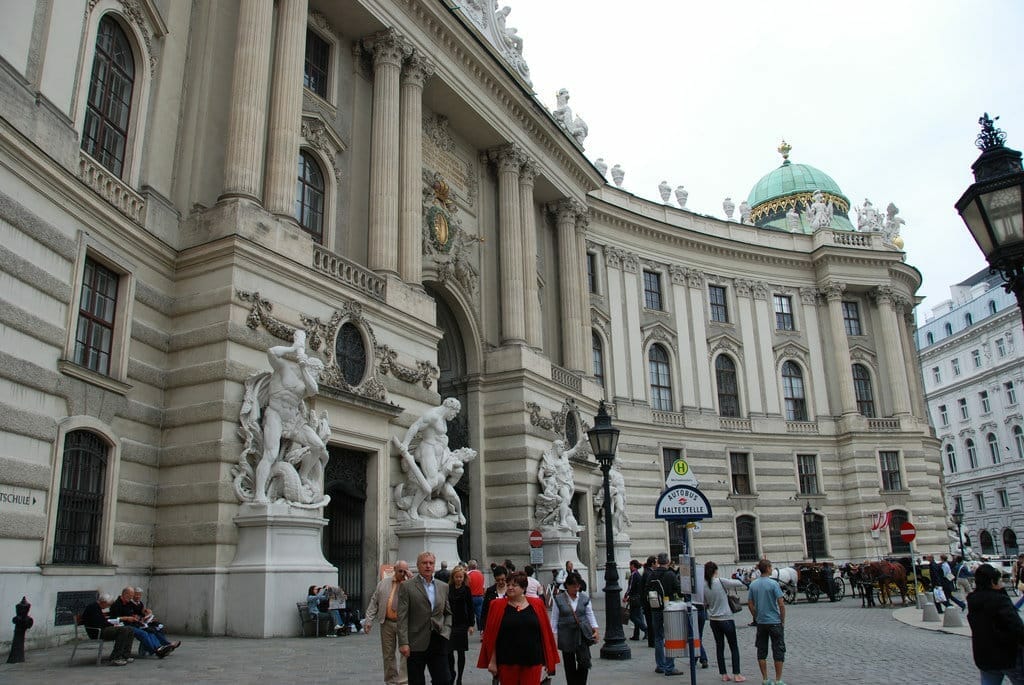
[
  {"x": 434, "y": 659},
  {"x": 122, "y": 637},
  {"x": 576, "y": 668}
]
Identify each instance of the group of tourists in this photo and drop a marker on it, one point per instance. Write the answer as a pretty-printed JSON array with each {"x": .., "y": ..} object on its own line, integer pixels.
[{"x": 124, "y": 620}]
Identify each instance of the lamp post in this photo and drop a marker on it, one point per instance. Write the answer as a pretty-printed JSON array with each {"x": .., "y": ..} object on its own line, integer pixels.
[
  {"x": 604, "y": 439},
  {"x": 993, "y": 207},
  {"x": 809, "y": 528},
  {"x": 958, "y": 520}
]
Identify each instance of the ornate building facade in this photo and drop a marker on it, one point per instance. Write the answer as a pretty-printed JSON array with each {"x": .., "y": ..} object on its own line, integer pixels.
[{"x": 182, "y": 185}]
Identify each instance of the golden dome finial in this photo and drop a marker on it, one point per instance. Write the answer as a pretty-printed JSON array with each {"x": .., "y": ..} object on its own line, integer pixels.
[{"x": 784, "y": 149}]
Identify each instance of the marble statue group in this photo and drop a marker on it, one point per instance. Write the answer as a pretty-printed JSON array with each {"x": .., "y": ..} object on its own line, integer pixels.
[
  {"x": 617, "y": 507},
  {"x": 558, "y": 484}
]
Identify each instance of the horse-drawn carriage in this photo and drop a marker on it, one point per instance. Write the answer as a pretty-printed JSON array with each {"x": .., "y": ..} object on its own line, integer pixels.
[
  {"x": 816, "y": 579},
  {"x": 885, "y": 578}
]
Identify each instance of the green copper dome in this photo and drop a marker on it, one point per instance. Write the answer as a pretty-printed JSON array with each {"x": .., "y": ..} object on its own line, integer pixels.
[{"x": 790, "y": 187}]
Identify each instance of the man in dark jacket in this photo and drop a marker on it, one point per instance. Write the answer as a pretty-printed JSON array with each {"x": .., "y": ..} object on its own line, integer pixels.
[
  {"x": 634, "y": 598},
  {"x": 648, "y": 567},
  {"x": 935, "y": 576},
  {"x": 495, "y": 591},
  {"x": 664, "y": 583},
  {"x": 97, "y": 625},
  {"x": 997, "y": 634}
]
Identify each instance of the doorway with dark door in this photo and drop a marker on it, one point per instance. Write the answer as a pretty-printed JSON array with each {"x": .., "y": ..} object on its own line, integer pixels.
[{"x": 345, "y": 482}]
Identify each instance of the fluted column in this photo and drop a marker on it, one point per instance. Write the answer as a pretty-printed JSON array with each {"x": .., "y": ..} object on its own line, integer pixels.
[
  {"x": 388, "y": 51},
  {"x": 892, "y": 346},
  {"x": 583, "y": 342},
  {"x": 756, "y": 378},
  {"x": 698, "y": 308},
  {"x": 840, "y": 346},
  {"x": 247, "y": 124},
  {"x": 809, "y": 298},
  {"x": 534, "y": 333},
  {"x": 410, "y": 261},
  {"x": 566, "y": 212},
  {"x": 286, "y": 107},
  {"x": 509, "y": 159}
]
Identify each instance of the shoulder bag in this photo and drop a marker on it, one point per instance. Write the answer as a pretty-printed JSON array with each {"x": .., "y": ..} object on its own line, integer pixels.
[{"x": 734, "y": 600}]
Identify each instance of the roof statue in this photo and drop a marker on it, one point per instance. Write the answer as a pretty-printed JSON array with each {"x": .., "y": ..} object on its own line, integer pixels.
[
  {"x": 601, "y": 166},
  {"x": 665, "y": 190},
  {"x": 819, "y": 214},
  {"x": 681, "y": 196},
  {"x": 618, "y": 175},
  {"x": 491, "y": 22},
  {"x": 744, "y": 212},
  {"x": 868, "y": 218},
  {"x": 728, "y": 206},
  {"x": 574, "y": 126},
  {"x": 892, "y": 226},
  {"x": 793, "y": 220}
]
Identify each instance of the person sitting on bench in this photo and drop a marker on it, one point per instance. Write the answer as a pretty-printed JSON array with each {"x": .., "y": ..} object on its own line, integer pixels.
[
  {"x": 123, "y": 609},
  {"x": 98, "y": 626}
]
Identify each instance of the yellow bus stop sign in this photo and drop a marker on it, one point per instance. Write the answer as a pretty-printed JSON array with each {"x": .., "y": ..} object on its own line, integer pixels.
[{"x": 680, "y": 467}]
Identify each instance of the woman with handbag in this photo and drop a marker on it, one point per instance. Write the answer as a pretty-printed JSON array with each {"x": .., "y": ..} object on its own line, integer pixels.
[
  {"x": 721, "y": 604},
  {"x": 516, "y": 644},
  {"x": 575, "y": 628}
]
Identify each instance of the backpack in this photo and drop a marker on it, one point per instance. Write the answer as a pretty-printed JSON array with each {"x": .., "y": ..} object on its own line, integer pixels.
[{"x": 655, "y": 594}]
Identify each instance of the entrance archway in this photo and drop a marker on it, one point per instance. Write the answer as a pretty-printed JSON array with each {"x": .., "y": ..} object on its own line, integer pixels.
[{"x": 342, "y": 542}]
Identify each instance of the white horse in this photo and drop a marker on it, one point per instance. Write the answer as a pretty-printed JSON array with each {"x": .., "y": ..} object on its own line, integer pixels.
[{"x": 786, "y": 576}]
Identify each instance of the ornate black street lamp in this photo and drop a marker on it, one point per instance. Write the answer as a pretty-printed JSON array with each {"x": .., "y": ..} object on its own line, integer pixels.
[
  {"x": 993, "y": 207},
  {"x": 809, "y": 531},
  {"x": 958, "y": 520},
  {"x": 604, "y": 439}
]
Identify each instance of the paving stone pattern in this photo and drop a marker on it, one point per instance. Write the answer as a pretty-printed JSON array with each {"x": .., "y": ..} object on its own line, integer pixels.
[{"x": 826, "y": 643}]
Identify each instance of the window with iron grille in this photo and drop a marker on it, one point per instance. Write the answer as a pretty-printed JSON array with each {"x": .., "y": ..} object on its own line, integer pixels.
[
  {"x": 94, "y": 336},
  {"x": 728, "y": 390},
  {"x": 746, "y": 539},
  {"x": 807, "y": 469},
  {"x": 783, "y": 312},
  {"x": 899, "y": 517},
  {"x": 851, "y": 318},
  {"x": 719, "y": 306},
  {"x": 309, "y": 197},
  {"x": 350, "y": 354},
  {"x": 972, "y": 453},
  {"x": 109, "y": 105},
  {"x": 669, "y": 455},
  {"x": 814, "y": 532},
  {"x": 862, "y": 390},
  {"x": 318, "y": 56},
  {"x": 597, "y": 351},
  {"x": 891, "y": 479},
  {"x": 652, "y": 290},
  {"x": 739, "y": 465},
  {"x": 793, "y": 391},
  {"x": 661, "y": 383},
  {"x": 78, "y": 532}
]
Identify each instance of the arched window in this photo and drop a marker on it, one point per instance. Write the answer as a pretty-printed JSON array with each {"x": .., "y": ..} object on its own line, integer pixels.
[
  {"x": 309, "y": 197},
  {"x": 814, "y": 532},
  {"x": 991, "y": 306},
  {"x": 931, "y": 338},
  {"x": 79, "y": 532},
  {"x": 993, "y": 447},
  {"x": 951, "y": 457},
  {"x": 793, "y": 391},
  {"x": 350, "y": 353},
  {"x": 899, "y": 517},
  {"x": 862, "y": 389},
  {"x": 1018, "y": 440},
  {"x": 1010, "y": 548},
  {"x": 972, "y": 453},
  {"x": 948, "y": 328},
  {"x": 661, "y": 383},
  {"x": 728, "y": 391},
  {"x": 109, "y": 105},
  {"x": 597, "y": 351},
  {"x": 746, "y": 539},
  {"x": 968, "y": 319},
  {"x": 988, "y": 545}
]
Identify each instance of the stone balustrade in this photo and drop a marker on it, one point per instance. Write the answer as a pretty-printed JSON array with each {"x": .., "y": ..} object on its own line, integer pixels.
[
  {"x": 668, "y": 418},
  {"x": 883, "y": 424},
  {"x": 110, "y": 188},
  {"x": 727, "y": 423},
  {"x": 349, "y": 273},
  {"x": 848, "y": 239},
  {"x": 566, "y": 378},
  {"x": 803, "y": 427}
]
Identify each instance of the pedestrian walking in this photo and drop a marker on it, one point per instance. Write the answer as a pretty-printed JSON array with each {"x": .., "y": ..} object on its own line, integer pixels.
[
  {"x": 634, "y": 600},
  {"x": 575, "y": 628},
  {"x": 769, "y": 611},
  {"x": 463, "y": 620},
  {"x": 517, "y": 642},
  {"x": 1018, "y": 579},
  {"x": 475, "y": 581},
  {"x": 720, "y": 614},
  {"x": 947, "y": 580},
  {"x": 660, "y": 585},
  {"x": 496, "y": 591},
  {"x": 383, "y": 609},
  {"x": 534, "y": 588},
  {"x": 997, "y": 633},
  {"x": 648, "y": 565},
  {"x": 935, "y": 577},
  {"x": 425, "y": 624}
]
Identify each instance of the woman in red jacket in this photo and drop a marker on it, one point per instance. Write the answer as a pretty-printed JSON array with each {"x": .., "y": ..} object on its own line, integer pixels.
[{"x": 517, "y": 640}]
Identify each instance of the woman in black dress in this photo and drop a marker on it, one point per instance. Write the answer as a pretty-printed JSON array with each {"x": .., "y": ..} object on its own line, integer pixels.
[{"x": 463, "y": 617}]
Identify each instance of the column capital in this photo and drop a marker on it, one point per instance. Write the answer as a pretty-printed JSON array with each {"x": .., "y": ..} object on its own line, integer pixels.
[
  {"x": 388, "y": 48},
  {"x": 508, "y": 158},
  {"x": 418, "y": 68},
  {"x": 809, "y": 295},
  {"x": 613, "y": 257},
  {"x": 677, "y": 273},
  {"x": 743, "y": 287},
  {"x": 833, "y": 291},
  {"x": 582, "y": 218},
  {"x": 759, "y": 289},
  {"x": 528, "y": 171},
  {"x": 884, "y": 294}
]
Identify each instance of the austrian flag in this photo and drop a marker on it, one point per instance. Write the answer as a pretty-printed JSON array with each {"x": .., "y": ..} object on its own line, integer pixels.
[{"x": 881, "y": 520}]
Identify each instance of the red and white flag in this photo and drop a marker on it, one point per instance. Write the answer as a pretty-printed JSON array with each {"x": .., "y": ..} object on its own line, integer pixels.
[{"x": 880, "y": 521}]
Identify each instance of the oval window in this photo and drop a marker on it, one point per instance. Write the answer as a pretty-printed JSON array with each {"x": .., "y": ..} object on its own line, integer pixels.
[
  {"x": 350, "y": 354},
  {"x": 572, "y": 431}
]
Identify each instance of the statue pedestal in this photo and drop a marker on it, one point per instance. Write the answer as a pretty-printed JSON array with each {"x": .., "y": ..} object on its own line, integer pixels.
[
  {"x": 559, "y": 547},
  {"x": 428, "y": 535},
  {"x": 622, "y": 545},
  {"x": 278, "y": 556}
]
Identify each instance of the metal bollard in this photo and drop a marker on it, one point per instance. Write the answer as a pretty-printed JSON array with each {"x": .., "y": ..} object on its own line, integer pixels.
[{"x": 22, "y": 622}]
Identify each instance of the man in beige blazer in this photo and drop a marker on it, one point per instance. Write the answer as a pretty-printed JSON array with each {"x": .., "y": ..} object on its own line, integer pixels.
[
  {"x": 425, "y": 624},
  {"x": 383, "y": 609}
]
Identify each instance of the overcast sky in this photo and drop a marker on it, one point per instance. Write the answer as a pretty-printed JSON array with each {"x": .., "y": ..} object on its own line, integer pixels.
[{"x": 882, "y": 96}]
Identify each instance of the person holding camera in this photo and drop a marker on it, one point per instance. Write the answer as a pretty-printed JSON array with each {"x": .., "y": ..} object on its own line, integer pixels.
[{"x": 575, "y": 628}]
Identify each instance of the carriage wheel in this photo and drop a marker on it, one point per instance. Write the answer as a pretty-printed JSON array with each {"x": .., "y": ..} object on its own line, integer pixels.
[
  {"x": 813, "y": 592},
  {"x": 839, "y": 589},
  {"x": 789, "y": 594},
  {"x": 912, "y": 591}
]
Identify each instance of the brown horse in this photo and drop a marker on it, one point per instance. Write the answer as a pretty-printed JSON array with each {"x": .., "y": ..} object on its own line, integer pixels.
[{"x": 886, "y": 572}]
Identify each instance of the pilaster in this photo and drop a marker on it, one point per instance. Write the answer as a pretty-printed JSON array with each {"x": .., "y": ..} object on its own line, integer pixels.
[
  {"x": 414, "y": 76},
  {"x": 509, "y": 160},
  {"x": 840, "y": 346},
  {"x": 892, "y": 348},
  {"x": 534, "y": 332}
]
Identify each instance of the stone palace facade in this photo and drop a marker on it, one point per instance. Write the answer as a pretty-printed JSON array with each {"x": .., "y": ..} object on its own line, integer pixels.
[{"x": 183, "y": 184}]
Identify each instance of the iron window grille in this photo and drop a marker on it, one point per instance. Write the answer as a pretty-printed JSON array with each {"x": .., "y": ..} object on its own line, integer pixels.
[{"x": 78, "y": 530}]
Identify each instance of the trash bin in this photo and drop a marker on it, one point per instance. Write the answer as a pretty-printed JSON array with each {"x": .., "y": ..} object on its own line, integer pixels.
[{"x": 674, "y": 617}]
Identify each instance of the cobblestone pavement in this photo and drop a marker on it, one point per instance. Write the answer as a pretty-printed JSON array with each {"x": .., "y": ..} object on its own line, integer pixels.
[{"x": 825, "y": 643}]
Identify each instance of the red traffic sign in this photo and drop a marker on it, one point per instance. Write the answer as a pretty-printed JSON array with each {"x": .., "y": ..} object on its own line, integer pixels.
[
  {"x": 536, "y": 539},
  {"x": 908, "y": 532}
]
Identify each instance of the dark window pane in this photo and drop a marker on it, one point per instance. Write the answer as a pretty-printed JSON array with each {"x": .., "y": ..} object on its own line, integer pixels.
[
  {"x": 94, "y": 337},
  {"x": 309, "y": 203},
  {"x": 719, "y": 307},
  {"x": 318, "y": 54},
  {"x": 78, "y": 531},
  {"x": 108, "y": 108},
  {"x": 728, "y": 392},
  {"x": 898, "y": 519},
  {"x": 793, "y": 391},
  {"x": 746, "y": 538},
  {"x": 350, "y": 353},
  {"x": 652, "y": 290},
  {"x": 661, "y": 384},
  {"x": 862, "y": 389}
]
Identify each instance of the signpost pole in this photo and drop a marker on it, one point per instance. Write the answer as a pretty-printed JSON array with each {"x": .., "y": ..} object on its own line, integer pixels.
[{"x": 690, "y": 637}]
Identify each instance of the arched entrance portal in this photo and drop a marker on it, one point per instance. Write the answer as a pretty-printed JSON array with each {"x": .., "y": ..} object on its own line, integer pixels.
[
  {"x": 451, "y": 358},
  {"x": 345, "y": 482}
]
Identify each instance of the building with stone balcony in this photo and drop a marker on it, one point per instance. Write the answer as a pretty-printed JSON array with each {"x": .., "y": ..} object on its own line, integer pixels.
[
  {"x": 182, "y": 185},
  {"x": 973, "y": 369}
]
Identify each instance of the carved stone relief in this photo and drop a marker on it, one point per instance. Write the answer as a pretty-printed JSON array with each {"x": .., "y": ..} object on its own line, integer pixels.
[{"x": 444, "y": 239}]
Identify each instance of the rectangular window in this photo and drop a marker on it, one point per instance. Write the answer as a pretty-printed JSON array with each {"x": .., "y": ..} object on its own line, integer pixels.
[
  {"x": 958, "y": 504},
  {"x": 976, "y": 358},
  {"x": 1000, "y": 347},
  {"x": 962, "y": 403},
  {"x": 652, "y": 290},
  {"x": 807, "y": 467},
  {"x": 669, "y": 455},
  {"x": 955, "y": 364},
  {"x": 719, "y": 307},
  {"x": 1011, "y": 393},
  {"x": 318, "y": 55},
  {"x": 943, "y": 415},
  {"x": 937, "y": 374},
  {"x": 591, "y": 272},
  {"x": 979, "y": 501},
  {"x": 94, "y": 337},
  {"x": 986, "y": 406},
  {"x": 1004, "y": 499},
  {"x": 851, "y": 318},
  {"x": 784, "y": 312},
  {"x": 739, "y": 463},
  {"x": 890, "y": 463}
]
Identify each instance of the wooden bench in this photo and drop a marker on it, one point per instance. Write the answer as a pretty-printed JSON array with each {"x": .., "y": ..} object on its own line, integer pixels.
[
  {"x": 305, "y": 619},
  {"x": 82, "y": 636}
]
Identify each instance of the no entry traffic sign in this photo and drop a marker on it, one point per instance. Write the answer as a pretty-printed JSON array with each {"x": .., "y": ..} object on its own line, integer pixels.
[
  {"x": 536, "y": 539},
  {"x": 908, "y": 532}
]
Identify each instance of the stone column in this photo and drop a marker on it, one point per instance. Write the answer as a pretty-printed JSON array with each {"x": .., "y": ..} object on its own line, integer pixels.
[
  {"x": 566, "y": 212},
  {"x": 388, "y": 50},
  {"x": 759, "y": 381},
  {"x": 534, "y": 332},
  {"x": 410, "y": 242},
  {"x": 286, "y": 107},
  {"x": 892, "y": 347},
  {"x": 509, "y": 159},
  {"x": 632, "y": 292},
  {"x": 840, "y": 346},
  {"x": 684, "y": 324},
  {"x": 583, "y": 342},
  {"x": 765, "y": 330},
  {"x": 905, "y": 307},
  {"x": 698, "y": 312},
  {"x": 809, "y": 298},
  {"x": 247, "y": 124},
  {"x": 616, "y": 354}
]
